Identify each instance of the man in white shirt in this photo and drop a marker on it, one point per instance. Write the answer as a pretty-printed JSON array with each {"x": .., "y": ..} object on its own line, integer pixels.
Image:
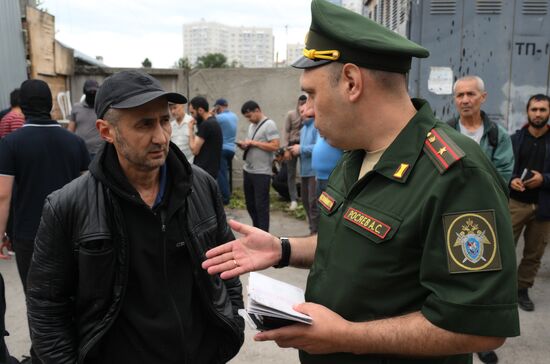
[{"x": 180, "y": 130}]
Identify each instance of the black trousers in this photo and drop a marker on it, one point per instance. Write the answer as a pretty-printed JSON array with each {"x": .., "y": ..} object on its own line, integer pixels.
[
  {"x": 23, "y": 255},
  {"x": 256, "y": 195}
]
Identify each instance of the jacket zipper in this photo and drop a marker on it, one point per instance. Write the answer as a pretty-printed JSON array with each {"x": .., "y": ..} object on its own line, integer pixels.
[{"x": 164, "y": 269}]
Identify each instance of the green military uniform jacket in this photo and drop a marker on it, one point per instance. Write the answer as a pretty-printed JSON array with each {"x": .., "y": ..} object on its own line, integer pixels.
[{"x": 428, "y": 229}]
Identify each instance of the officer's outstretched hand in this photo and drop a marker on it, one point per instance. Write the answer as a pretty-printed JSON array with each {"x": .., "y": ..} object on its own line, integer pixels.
[
  {"x": 329, "y": 332},
  {"x": 255, "y": 250}
]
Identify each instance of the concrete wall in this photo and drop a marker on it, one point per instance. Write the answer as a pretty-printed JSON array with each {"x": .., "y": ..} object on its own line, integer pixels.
[{"x": 276, "y": 90}]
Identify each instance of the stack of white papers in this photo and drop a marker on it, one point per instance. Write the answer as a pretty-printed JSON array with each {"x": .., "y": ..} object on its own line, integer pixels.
[{"x": 270, "y": 303}]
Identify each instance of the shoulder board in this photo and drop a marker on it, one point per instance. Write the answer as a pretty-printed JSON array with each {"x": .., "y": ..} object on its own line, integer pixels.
[{"x": 442, "y": 150}]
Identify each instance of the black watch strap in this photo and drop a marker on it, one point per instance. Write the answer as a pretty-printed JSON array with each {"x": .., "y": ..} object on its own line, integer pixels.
[{"x": 285, "y": 253}]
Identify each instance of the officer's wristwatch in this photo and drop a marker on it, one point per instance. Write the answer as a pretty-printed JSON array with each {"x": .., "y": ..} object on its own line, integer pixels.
[{"x": 285, "y": 253}]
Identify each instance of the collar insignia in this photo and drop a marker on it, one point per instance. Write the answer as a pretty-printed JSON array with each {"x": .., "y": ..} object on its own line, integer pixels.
[{"x": 400, "y": 172}]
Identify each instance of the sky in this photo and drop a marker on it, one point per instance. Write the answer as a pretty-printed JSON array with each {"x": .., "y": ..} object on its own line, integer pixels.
[{"x": 125, "y": 32}]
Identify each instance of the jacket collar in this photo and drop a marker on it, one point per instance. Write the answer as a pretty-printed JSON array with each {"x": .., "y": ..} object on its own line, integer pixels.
[
  {"x": 40, "y": 122},
  {"x": 106, "y": 168},
  {"x": 404, "y": 151}
]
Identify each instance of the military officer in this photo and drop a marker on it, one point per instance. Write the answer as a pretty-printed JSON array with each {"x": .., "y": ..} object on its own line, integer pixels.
[{"x": 414, "y": 259}]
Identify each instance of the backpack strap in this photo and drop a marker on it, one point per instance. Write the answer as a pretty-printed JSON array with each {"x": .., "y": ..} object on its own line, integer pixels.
[{"x": 492, "y": 135}]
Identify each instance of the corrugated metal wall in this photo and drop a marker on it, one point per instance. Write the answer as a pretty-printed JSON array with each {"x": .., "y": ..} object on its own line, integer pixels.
[
  {"x": 12, "y": 50},
  {"x": 505, "y": 42}
]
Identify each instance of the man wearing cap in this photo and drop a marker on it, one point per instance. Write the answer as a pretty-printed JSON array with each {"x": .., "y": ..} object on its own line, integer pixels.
[
  {"x": 83, "y": 117},
  {"x": 115, "y": 276},
  {"x": 415, "y": 244},
  {"x": 228, "y": 123},
  {"x": 38, "y": 158}
]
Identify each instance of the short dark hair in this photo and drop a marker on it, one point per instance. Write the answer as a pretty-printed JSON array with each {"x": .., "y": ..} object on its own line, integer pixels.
[
  {"x": 199, "y": 101},
  {"x": 249, "y": 106},
  {"x": 14, "y": 98},
  {"x": 112, "y": 116},
  {"x": 538, "y": 97}
]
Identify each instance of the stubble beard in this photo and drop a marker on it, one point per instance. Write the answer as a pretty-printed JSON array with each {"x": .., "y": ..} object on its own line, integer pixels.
[
  {"x": 537, "y": 125},
  {"x": 139, "y": 159}
]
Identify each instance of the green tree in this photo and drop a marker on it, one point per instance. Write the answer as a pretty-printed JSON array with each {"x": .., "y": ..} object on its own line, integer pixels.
[
  {"x": 182, "y": 63},
  {"x": 146, "y": 63},
  {"x": 212, "y": 60},
  {"x": 235, "y": 64}
]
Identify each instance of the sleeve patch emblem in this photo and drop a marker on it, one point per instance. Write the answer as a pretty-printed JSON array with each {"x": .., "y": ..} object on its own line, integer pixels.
[
  {"x": 367, "y": 222},
  {"x": 471, "y": 242},
  {"x": 326, "y": 201}
]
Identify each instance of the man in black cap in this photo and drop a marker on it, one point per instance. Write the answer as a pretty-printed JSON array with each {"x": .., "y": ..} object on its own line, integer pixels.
[
  {"x": 415, "y": 244},
  {"x": 83, "y": 117},
  {"x": 116, "y": 275},
  {"x": 39, "y": 158}
]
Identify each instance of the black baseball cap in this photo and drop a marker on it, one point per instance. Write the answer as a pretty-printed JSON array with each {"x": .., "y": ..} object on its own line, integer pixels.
[
  {"x": 128, "y": 89},
  {"x": 90, "y": 85}
]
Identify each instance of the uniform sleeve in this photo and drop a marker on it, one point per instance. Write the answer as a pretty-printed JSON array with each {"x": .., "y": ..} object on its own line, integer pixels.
[
  {"x": 481, "y": 301},
  {"x": 271, "y": 131},
  {"x": 7, "y": 159}
]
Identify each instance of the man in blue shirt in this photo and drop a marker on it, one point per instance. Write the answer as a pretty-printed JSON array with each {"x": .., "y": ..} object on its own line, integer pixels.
[
  {"x": 308, "y": 138},
  {"x": 228, "y": 123}
]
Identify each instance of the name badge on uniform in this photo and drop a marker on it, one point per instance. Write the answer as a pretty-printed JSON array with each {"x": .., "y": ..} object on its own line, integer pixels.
[
  {"x": 471, "y": 242},
  {"x": 367, "y": 222}
]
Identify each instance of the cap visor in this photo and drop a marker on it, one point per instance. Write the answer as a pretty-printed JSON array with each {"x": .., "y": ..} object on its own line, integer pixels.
[
  {"x": 304, "y": 62},
  {"x": 141, "y": 99}
]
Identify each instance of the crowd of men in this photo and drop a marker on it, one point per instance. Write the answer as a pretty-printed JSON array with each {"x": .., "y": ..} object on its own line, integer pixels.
[{"x": 125, "y": 254}]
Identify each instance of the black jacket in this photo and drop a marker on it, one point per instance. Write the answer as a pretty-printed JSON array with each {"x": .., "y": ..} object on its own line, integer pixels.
[
  {"x": 543, "y": 205},
  {"x": 79, "y": 269}
]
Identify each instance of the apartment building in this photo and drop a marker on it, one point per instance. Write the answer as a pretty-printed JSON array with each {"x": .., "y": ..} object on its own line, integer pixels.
[{"x": 251, "y": 47}]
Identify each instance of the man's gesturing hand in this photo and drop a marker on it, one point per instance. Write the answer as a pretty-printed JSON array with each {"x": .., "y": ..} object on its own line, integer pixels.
[{"x": 255, "y": 250}]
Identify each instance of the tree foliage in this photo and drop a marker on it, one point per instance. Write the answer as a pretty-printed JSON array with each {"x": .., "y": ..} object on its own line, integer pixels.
[
  {"x": 146, "y": 63},
  {"x": 212, "y": 60},
  {"x": 182, "y": 63}
]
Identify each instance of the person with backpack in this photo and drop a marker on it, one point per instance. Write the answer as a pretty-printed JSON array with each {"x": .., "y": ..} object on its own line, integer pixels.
[{"x": 469, "y": 95}]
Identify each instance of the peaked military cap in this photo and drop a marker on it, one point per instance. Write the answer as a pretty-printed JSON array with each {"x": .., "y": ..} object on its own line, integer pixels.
[{"x": 340, "y": 35}]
